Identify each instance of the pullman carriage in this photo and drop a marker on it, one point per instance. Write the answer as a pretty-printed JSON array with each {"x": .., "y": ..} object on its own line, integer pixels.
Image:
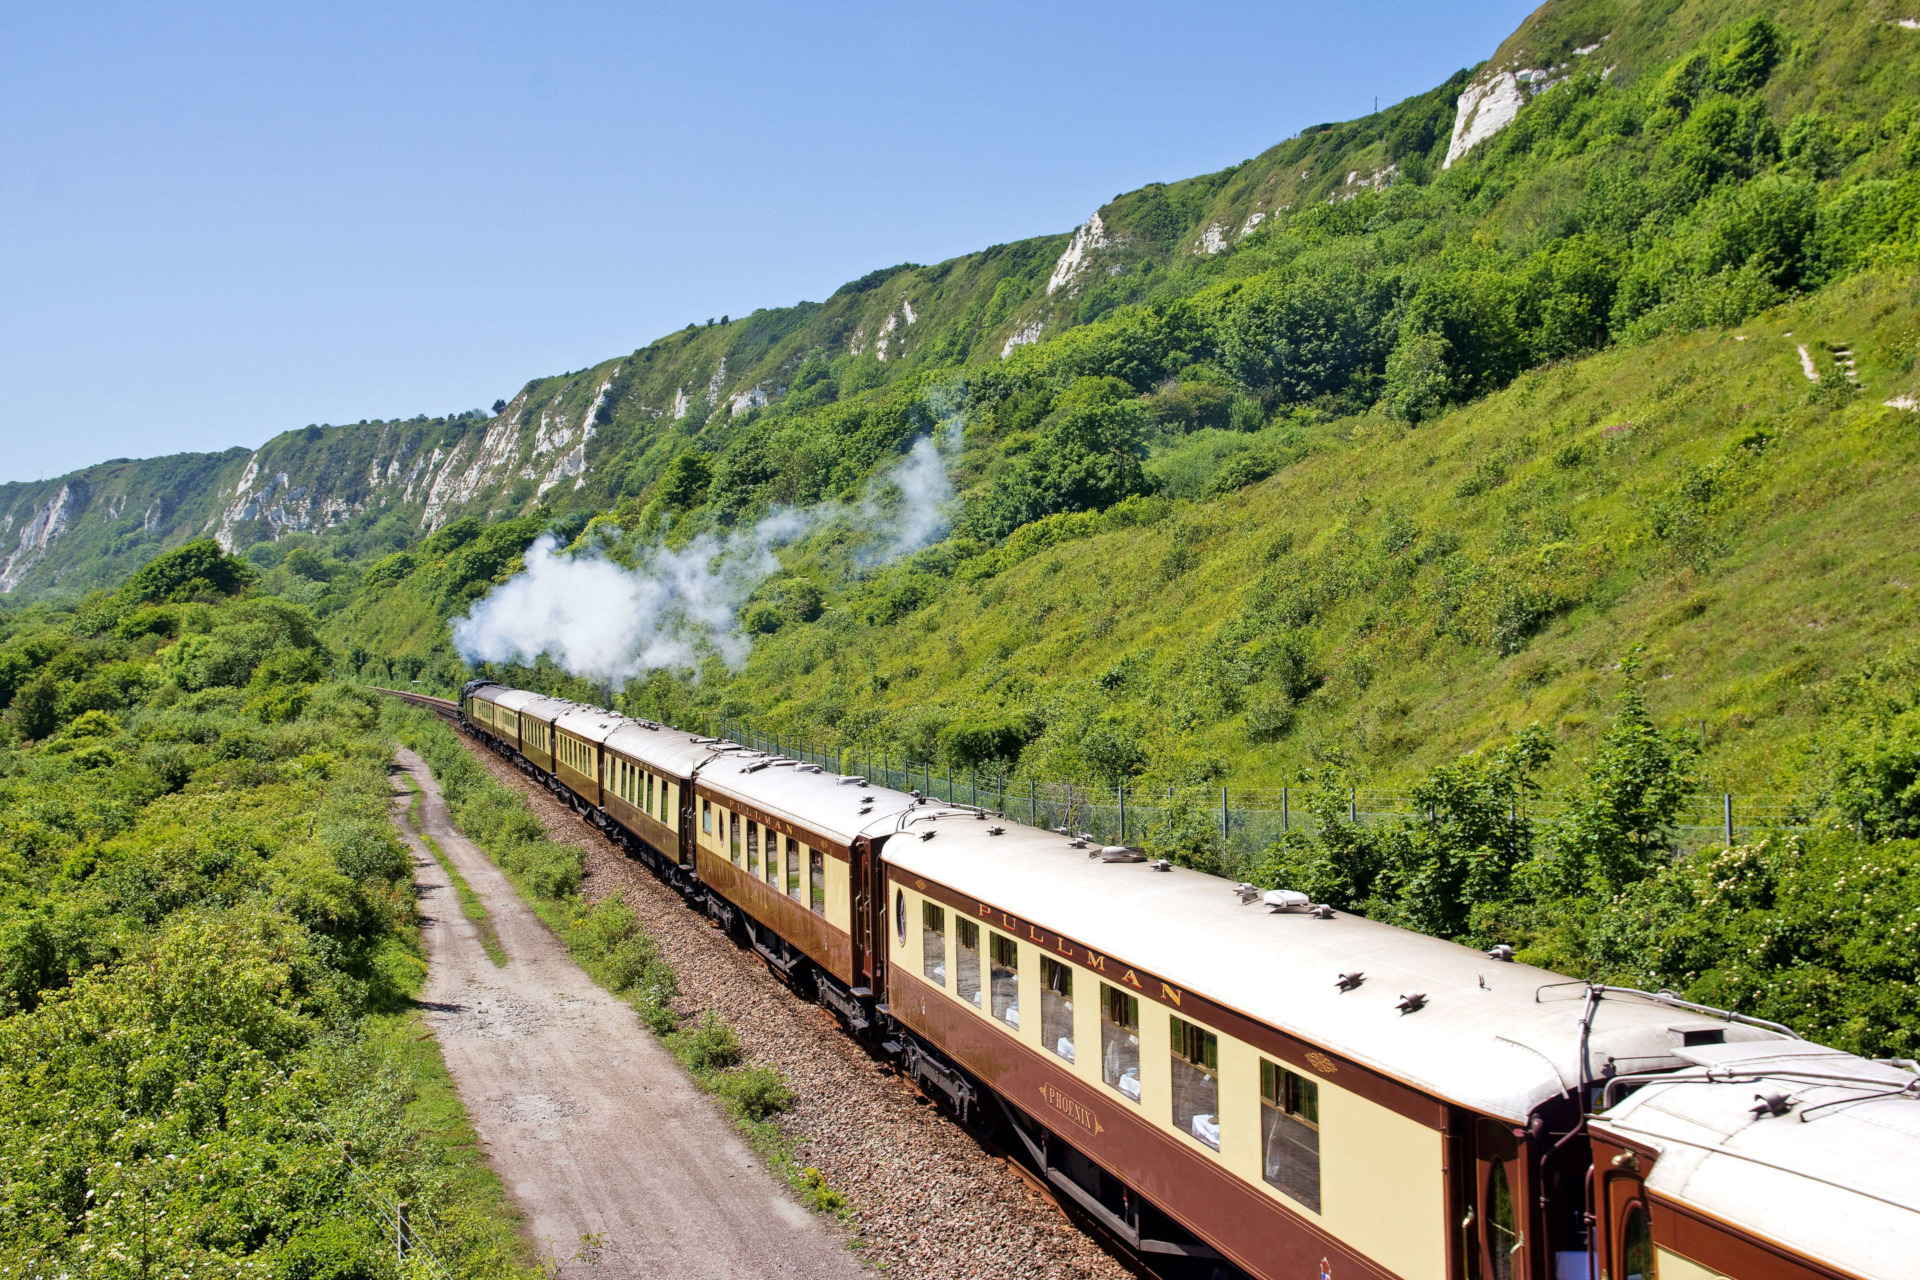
[
  {"x": 1274, "y": 1093},
  {"x": 534, "y": 715},
  {"x": 648, "y": 779},
  {"x": 579, "y": 748},
  {"x": 775, "y": 838},
  {"x": 1189, "y": 1067}
]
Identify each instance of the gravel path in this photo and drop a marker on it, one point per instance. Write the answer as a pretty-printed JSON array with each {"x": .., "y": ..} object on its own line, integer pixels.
[
  {"x": 588, "y": 1120},
  {"x": 928, "y": 1201}
]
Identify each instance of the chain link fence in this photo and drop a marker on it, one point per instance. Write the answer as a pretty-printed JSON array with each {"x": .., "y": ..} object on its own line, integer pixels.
[{"x": 1249, "y": 819}]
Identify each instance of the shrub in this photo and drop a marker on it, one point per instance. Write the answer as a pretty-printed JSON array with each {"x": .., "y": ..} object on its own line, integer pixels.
[{"x": 755, "y": 1093}]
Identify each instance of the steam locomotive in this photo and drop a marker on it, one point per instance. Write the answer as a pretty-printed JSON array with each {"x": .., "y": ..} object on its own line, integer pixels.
[{"x": 1237, "y": 1083}]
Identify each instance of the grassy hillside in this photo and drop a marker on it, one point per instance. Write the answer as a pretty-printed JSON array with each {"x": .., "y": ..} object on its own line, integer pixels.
[{"x": 1405, "y": 466}]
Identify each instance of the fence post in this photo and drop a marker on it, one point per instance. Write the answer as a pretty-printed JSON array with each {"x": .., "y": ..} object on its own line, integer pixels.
[
  {"x": 400, "y": 1232},
  {"x": 973, "y": 787},
  {"x": 1727, "y": 798},
  {"x": 1353, "y": 807},
  {"x": 1033, "y": 812},
  {"x": 1223, "y": 815},
  {"x": 1121, "y": 791},
  {"x": 1285, "y": 817}
]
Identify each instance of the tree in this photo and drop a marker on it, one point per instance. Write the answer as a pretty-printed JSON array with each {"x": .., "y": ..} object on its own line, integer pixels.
[
  {"x": 686, "y": 481},
  {"x": 498, "y": 405},
  {"x": 1086, "y": 459},
  {"x": 1619, "y": 826},
  {"x": 200, "y": 567},
  {"x": 1417, "y": 382}
]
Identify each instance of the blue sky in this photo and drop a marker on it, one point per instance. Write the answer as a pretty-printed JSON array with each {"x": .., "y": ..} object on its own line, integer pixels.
[{"x": 225, "y": 221}]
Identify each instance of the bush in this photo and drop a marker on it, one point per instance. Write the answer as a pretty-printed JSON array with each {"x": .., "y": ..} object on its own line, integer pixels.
[
  {"x": 200, "y": 567},
  {"x": 755, "y": 1093},
  {"x": 707, "y": 1046}
]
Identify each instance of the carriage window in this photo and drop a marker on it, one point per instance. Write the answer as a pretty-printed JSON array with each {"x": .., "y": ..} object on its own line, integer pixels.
[
  {"x": 1637, "y": 1258},
  {"x": 1006, "y": 979},
  {"x": 753, "y": 848},
  {"x": 1290, "y": 1133},
  {"x": 817, "y": 882},
  {"x": 966, "y": 974},
  {"x": 773, "y": 858},
  {"x": 1120, "y": 1040},
  {"x": 793, "y": 867},
  {"x": 933, "y": 942},
  {"x": 1056, "y": 1007},
  {"x": 649, "y": 793},
  {"x": 667, "y": 815},
  {"x": 1503, "y": 1241},
  {"x": 1196, "y": 1082},
  {"x": 900, "y": 915},
  {"x": 706, "y": 816},
  {"x": 733, "y": 838}
]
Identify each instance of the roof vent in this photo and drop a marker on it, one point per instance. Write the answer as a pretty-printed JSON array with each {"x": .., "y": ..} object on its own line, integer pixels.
[
  {"x": 849, "y": 778},
  {"x": 1322, "y": 912},
  {"x": 1501, "y": 951},
  {"x": 1118, "y": 853},
  {"x": 928, "y": 834},
  {"x": 1770, "y": 1104},
  {"x": 996, "y": 831},
  {"x": 1288, "y": 900},
  {"x": 916, "y": 795},
  {"x": 1161, "y": 864},
  {"x": 1350, "y": 981},
  {"x": 1412, "y": 1004},
  {"x": 1247, "y": 893},
  {"x": 1076, "y": 843}
]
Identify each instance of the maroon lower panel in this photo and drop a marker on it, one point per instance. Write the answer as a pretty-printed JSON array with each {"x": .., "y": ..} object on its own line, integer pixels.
[
  {"x": 644, "y": 825},
  {"x": 825, "y": 945},
  {"x": 1239, "y": 1221}
]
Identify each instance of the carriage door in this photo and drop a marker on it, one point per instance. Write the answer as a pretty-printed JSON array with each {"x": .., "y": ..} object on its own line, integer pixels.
[
  {"x": 1626, "y": 1217},
  {"x": 1500, "y": 1213},
  {"x": 869, "y": 940}
]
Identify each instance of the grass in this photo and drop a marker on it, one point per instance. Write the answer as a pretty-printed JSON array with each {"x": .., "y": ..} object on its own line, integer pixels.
[
  {"x": 1690, "y": 495},
  {"x": 470, "y": 904}
]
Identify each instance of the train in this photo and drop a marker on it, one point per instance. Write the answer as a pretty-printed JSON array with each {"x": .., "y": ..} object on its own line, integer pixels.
[{"x": 1235, "y": 1082}]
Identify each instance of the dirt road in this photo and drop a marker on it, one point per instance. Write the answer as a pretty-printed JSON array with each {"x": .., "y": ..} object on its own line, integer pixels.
[{"x": 591, "y": 1124}]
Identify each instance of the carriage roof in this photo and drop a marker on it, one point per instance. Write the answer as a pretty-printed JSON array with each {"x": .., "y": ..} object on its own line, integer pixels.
[{"x": 1499, "y": 1037}]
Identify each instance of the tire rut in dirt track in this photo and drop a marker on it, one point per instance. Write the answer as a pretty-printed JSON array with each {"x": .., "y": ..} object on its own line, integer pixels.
[
  {"x": 589, "y": 1121},
  {"x": 927, "y": 1199}
]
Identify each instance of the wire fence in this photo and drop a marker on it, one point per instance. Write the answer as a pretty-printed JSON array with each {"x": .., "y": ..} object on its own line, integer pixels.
[
  {"x": 1249, "y": 819},
  {"x": 416, "y": 1258}
]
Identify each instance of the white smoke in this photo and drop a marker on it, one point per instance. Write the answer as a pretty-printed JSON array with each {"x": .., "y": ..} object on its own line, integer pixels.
[{"x": 607, "y": 622}]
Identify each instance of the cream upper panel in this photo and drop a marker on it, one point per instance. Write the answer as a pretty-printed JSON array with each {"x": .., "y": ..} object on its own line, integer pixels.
[{"x": 1369, "y": 1155}]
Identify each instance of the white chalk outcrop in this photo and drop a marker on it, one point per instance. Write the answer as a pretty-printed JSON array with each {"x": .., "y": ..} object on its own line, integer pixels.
[
  {"x": 1027, "y": 333},
  {"x": 1484, "y": 109},
  {"x": 1087, "y": 237},
  {"x": 1494, "y": 99},
  {"x": 40, "y": 532}
]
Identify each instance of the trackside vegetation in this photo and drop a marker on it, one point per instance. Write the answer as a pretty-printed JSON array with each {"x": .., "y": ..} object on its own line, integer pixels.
[{"x": 209, "y": 1059}]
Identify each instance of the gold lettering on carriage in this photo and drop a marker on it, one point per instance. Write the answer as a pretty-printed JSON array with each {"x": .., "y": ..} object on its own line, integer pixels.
[{"x": 1076, "y": 1111}]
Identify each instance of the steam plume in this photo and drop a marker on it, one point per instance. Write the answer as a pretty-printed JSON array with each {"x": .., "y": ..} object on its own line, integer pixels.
[{"x": 607, "y": 622}]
